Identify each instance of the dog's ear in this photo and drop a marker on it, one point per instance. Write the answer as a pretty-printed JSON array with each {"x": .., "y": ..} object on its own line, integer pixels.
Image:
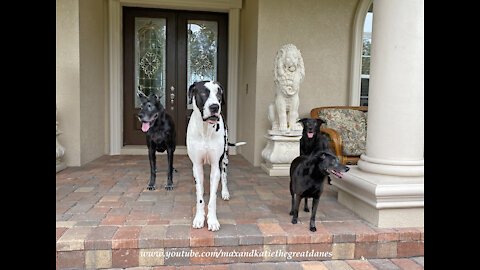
[
  {"x": 303, "y": 120},
  {"x": 159, "y": 99},
  {"x": 158, "y": 102},
  {"x": 141, "y": 95},
  {"x": 191, "y": 92},
  {"x": 321, "y": 121},
  {"x": 322, "y": 155},
  {"x": 220, "y": 87}
]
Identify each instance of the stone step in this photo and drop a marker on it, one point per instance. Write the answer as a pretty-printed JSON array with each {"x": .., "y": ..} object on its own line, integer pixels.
[{"x": 155, "y": 245}]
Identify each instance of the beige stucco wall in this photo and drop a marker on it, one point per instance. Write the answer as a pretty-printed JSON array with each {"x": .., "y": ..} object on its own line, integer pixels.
[
  {"x": 92, "y": 85},
  {"x": 321, "y": 30},
  {"x": 80, "y": 78}
]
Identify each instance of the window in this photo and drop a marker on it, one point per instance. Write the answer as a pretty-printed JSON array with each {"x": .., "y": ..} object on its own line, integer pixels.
[{"x": 367, "y": 42}]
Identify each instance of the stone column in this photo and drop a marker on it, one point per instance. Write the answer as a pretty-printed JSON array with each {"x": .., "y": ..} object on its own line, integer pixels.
[
  {"x": 387, "y": 186},
  {"x": 395, "y": 111}
]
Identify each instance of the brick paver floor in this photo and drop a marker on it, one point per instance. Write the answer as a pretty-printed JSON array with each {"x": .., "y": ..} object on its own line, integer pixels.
[
  {"x": 105, "y": 218},
  {"x": 413, "y": 263}
]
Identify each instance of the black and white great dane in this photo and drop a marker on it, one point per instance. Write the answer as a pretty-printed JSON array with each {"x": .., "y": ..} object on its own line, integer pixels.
[{"x": 207, "y": 143}]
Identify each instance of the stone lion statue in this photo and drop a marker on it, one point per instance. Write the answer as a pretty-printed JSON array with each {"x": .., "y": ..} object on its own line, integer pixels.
[{"x": 289, "y": 72}]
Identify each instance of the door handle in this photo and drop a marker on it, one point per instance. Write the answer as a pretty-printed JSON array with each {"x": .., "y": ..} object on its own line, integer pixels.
[{"x": 172, "y": 97}]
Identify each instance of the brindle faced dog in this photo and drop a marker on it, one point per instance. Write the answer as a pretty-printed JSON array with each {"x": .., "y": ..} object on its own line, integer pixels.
[
  {"x": 307, "y": 176},
  {"x": 160, "y": 130}
]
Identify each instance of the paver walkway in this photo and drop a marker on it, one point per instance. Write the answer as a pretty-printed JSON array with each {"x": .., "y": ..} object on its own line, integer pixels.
[
  {"x": 105, "y": 218},
  {"x": 413, "y": 263}
]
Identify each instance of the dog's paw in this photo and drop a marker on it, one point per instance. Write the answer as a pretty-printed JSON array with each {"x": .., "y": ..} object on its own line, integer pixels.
[
  {"x": 225, "y": 195},
  {"x": 169, "y": 186},
  {"x": 198, "y": 222},
  {"x": 306, "y": 210},
  {"x": 313, "y": 229},
  {"x": 294, "y": 220},
  {"x": 213, "y": 224},
  {"x": 151, "y": 187}
]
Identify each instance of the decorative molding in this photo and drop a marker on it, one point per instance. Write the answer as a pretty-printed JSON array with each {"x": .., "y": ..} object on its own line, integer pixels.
[
  {"x": 232, "y": 85},
  {"x": 356, "y": 51},
  {"x": 200, "y": 5},
  {"x": 115, "y": 76},
  {"x": 382, "y": 191}
]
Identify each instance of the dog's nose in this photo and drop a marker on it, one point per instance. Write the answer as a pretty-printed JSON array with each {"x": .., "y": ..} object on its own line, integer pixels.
[
  {"x": 347, "y": 169},
  {"x": 214, "y": 108}
]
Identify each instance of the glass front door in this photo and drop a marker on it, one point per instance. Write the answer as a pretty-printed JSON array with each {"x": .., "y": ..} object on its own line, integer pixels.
[{"x": 164, "y": 53}]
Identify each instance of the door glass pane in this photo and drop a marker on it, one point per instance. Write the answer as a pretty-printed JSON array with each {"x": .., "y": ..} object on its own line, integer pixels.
[
  {"x": 202, "y": 43},
  {"x": 150, "y": 37}
]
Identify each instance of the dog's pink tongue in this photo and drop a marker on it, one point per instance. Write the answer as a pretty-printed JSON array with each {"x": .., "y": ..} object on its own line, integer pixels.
[
  {"x": 145, "y": 126},
  {"x": 310, "y": 135}
]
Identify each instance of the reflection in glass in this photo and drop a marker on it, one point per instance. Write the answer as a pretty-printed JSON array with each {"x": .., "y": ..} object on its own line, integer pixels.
[
  {"x": 367, "y": 45},
  {"x": 150, "y": 36},
  {"x": 202, "y": 44}
]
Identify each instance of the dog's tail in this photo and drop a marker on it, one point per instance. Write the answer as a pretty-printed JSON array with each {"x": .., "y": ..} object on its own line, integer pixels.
[{"x": 236, "y": 144}]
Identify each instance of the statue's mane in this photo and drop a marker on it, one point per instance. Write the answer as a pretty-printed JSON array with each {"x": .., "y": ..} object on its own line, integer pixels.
[
  {"x": 281, "y": 75},
  {"x": 279, "y": 71}
]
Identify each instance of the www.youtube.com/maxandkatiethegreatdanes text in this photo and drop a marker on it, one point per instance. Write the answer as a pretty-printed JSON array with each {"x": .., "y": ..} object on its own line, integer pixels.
[{"x": 236, "y": 254}]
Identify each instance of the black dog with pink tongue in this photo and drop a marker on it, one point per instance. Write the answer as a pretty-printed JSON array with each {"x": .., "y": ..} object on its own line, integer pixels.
[
  {"x": 312, "y": 141},
  {"x": 160, "y": 130}
]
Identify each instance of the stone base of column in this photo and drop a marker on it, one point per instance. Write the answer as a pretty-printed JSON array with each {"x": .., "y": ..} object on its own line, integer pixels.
[{"x": 383, "y": 200}]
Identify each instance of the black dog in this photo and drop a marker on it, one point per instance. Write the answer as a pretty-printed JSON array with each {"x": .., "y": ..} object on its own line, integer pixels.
[
  {"x": 307, "y": 174},
  {"x": 160, "y": 130},
  {"x": 312, "y": 142}
]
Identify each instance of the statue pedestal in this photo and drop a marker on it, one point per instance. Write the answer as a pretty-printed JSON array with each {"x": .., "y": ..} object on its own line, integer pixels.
[
  {"x": 61, "y": 165},
  {"x": 282, "y": 148},
  {"x": 59, "y": 155},
  {"x": 60, "y": 150}
]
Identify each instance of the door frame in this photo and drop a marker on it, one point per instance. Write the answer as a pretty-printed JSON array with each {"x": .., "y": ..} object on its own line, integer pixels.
[{"x": 115, "y": 53}]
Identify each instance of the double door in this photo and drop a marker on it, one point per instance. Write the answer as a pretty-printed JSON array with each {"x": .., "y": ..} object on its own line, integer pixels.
[{"x": 165, "y": 51}]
